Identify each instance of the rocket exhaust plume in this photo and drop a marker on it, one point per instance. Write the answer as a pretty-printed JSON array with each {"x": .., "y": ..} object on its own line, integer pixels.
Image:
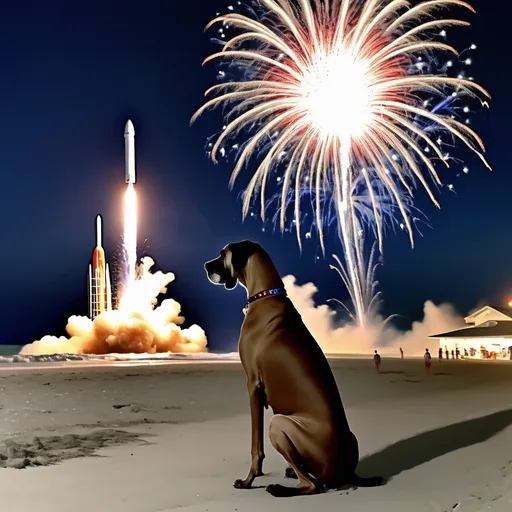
[
  {"x": 139, "y": 325},
  {"x": 130, "y": 232}
]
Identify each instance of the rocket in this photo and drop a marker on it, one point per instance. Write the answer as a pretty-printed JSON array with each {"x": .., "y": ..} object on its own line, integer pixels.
[
  {"x": 100, "y": 289},
  {"x": 129, "y": 152}
]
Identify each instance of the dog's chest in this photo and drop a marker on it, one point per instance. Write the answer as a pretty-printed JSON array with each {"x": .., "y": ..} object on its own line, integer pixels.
[{"x": 249, "y": 345}]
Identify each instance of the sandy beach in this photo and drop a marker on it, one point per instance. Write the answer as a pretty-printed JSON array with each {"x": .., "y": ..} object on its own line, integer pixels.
[{"x": 162, "y": 437}]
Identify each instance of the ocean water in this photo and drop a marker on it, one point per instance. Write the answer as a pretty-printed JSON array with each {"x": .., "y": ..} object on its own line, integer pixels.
[
  {"x": 9, "y": 350},
  {"x": 10, "y": 354}
]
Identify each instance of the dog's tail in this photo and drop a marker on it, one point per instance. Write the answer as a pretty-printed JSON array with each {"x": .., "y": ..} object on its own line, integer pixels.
[{"x": 373, "y": 481}]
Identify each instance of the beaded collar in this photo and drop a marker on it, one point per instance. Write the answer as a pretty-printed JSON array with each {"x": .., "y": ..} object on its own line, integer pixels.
[{"x": 265, "y": 293}]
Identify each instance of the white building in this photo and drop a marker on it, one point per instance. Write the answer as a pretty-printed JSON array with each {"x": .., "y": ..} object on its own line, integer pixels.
[{"x": 489, "y": 334}]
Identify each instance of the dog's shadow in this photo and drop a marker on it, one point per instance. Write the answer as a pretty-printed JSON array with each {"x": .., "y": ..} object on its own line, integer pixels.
[{"x": 415, "y": 451}]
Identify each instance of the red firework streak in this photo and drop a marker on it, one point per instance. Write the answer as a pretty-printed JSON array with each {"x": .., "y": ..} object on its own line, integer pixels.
[{"x": 100, "y": 291}]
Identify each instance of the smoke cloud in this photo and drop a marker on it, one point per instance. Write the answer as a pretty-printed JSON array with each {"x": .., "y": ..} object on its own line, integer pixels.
[
  {"x": 138, "y": 326},
  {"x": 335, "y": 338}
]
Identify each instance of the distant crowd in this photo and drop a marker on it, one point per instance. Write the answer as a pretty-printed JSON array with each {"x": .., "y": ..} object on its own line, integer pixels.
[
  {"x": 445, "y": 354},
  {"x": 427, "y": 358}
]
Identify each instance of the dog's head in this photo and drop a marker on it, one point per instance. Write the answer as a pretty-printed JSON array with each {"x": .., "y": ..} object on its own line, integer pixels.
[{"x": 227, "y": 267}]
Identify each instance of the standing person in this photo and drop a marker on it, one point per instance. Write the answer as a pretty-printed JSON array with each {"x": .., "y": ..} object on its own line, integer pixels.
[
  {"x": 428, "y": 361},
  {"x": 440, "y": 353},
  {"x": 447, "y": 353},
  {"x": 457, "y": 353},
  {"x": 453, "y": 354},
  {"x": 401, "y": 353},
  {"x": 376, "y": 360}
]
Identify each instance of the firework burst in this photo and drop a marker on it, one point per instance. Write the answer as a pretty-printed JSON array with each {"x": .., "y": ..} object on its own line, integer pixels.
[{"x": 328, "y": 94}]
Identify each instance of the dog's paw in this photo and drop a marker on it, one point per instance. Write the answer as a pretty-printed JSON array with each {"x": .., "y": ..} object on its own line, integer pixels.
[
  {"x": 241, "y": 484},
  {"x": 290, "y": 473},
  {"x": 279, "y": 491}
]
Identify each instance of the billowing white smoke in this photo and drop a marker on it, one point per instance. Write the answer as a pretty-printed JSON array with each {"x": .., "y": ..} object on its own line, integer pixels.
[
  {"x": 351, "y": 339},
  {"x": 137, "y": 326}
]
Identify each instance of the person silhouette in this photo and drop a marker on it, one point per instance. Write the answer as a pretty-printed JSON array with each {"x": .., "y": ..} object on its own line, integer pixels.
[
  {"x": 428, "y": 361},
  {"x": 376, "y": 360}
]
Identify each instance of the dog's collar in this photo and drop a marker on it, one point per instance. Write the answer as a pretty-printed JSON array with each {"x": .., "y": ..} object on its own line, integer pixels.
[{"x": 265, "y": 293}]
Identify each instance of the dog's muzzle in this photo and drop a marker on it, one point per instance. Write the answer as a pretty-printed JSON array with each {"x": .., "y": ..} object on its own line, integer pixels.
[
  {"x": 218, "y": 274},
  {"x": 215, "y": 270}
]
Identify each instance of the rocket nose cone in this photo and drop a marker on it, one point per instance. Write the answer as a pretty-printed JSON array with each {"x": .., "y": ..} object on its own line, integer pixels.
[{"x": 129, "y": 129}]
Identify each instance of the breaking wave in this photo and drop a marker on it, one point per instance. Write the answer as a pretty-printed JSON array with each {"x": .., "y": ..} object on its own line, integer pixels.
[{"x": 141, "y": 358}]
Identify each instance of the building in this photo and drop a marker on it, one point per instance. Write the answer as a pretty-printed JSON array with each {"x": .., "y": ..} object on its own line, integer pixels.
[{"x": 488, "y": 335}]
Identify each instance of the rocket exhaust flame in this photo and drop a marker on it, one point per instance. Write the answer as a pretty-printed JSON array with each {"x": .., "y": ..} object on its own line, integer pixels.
[{"x": 130, "y": 231}]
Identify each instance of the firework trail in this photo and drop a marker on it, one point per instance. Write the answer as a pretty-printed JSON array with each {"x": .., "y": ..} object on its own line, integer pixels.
[
  {"x": 362, "y": 201},
  {"x": 329, "y": 84},
  {"x": 361, "y": 284},
  {"x": 367, "y": 278}
]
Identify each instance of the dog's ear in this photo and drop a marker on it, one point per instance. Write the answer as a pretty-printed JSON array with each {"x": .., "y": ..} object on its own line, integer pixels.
[{"x": 240, "y": 253}]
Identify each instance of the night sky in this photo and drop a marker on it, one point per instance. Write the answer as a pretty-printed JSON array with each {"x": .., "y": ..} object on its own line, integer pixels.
[{"x": 74, "y": 72}]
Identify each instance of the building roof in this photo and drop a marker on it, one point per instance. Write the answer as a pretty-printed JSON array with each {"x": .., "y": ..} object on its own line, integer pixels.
[
  {"x": 503, "y": 310},
  {"x": 491, "y": 329}
]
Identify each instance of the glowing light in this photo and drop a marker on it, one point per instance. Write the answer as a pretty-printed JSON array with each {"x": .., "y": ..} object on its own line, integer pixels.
[
  {"x": 130, "y": 230},
  {"x": 336, "y": 110},
  {"x": 340, "y": 98},
  {"x": 510, "y": 303}
]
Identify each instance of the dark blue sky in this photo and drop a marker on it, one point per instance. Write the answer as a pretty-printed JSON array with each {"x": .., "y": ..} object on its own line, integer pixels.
[{"x": 73, "y": 72}]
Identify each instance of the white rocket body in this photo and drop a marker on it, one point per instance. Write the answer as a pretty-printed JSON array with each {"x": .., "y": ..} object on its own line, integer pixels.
[{"x": 129, "y": 152}]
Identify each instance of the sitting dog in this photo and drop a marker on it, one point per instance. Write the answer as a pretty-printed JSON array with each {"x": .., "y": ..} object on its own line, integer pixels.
[{"x": 286, "y": 369}]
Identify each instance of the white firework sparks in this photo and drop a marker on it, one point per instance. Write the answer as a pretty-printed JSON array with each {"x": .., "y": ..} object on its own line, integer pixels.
[
  {"x": 332, "y": 78},
  {"x": 338, "y": 87}
]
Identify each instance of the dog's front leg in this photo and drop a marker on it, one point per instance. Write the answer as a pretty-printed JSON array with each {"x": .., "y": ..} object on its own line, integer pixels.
[{"x": 256, "y": 394}]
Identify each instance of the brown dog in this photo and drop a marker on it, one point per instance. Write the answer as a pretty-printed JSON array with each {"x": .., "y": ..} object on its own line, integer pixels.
[{"x": 286, "y": 369}]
